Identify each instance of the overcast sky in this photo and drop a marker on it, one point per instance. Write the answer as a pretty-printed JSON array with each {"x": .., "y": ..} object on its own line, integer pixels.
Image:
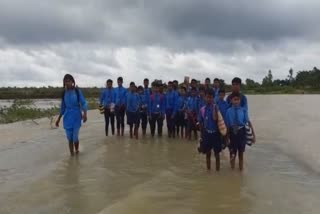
[{"x": 41, "y": 40}]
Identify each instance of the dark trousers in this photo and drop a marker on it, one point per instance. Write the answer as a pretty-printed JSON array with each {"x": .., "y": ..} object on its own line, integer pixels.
[
  {"x": 144, "y": 119},
  {"x": 170, "y": 122},
  {"x": 156, "y": 118},
  {"x": 120, "y": 112},
  {"x": 109, "y": 117}
]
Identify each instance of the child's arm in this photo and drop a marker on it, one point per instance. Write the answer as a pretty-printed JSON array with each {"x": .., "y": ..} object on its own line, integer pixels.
[{"x": 253, "y": 133}]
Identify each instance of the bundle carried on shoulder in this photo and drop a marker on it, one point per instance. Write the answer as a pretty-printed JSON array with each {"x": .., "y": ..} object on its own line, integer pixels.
[
  {"x": 101, "y": 109},
  {"x": 221, "y": 125},
  {"x": 249, "y": 135}
]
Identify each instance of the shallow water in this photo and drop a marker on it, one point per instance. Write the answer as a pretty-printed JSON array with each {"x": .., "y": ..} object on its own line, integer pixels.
[{"x": 161, "y": 175}]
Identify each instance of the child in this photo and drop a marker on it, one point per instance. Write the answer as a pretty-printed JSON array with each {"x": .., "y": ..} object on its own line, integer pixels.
[
  {"x": 132, "y": 106},
  {"x": 236, "y": 87},
  {"x": 236, "y": 119},
  {"x": 107, "y": 100},
  {"x": 181, "y": 120},
  {"x": 143, "y": 109},
  {"x": 223, "y": 107},
  {"x": 171, "y": 99},
  {"x": 147, "y": 94},
  {"x": 156, "y": 110},
  {"x": 192, "y": 112},
  {"x": 209, "y": 129},
  {"x": 216, "y": 86},
  {"x": 73, "y": 109},
  {"x": 202, "y": 96},
  {"x": 120, "y": 106}
]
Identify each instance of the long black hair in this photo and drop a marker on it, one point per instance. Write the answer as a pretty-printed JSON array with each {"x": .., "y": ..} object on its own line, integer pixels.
[{"x": 68, "y": 77}]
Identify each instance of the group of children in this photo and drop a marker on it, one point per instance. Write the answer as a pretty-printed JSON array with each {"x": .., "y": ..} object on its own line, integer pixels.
[{"x": 187, "y": 109}]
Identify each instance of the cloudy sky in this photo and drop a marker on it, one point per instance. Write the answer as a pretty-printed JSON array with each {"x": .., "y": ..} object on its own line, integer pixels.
[{"x": 41, "y": 40}]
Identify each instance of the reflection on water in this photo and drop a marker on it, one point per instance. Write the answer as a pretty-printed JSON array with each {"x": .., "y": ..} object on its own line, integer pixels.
[{"x": 161, "y": 175}]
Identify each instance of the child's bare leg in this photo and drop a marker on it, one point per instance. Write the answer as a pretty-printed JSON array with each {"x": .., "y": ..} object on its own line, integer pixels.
[
  {"x": 217, "y": 156},
  {"x": 232, "y": 160},
  {"x": 241, "y": 161},
  {"x": 71, "y": 148},
  {"x": 208, "y": 159},
  {"x": 76, "y": 146},
  {"x": 131, "y": 127}
]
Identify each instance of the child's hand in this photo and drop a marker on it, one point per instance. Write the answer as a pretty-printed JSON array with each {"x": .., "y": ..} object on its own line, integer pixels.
[
  {"x": 57, "y": 122},
  {"x": 84, "y": 117},
  {"x": 254, "y": 139},
  {"x": 227, "y": 141}
]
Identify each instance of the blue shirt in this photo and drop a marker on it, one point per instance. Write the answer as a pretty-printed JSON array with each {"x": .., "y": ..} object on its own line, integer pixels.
[
  {"x": 193, "y": 104},
  {"x": 133, "y": 102},
  {"x": 171, "y": 99},
  {"x": 243, "y": 101},
  {"x": 236, "y": 115},
  {"x": 182, "y": 103},
  {"x": 71, "y": 109},
  {"x": 157, "y": 103},
  {"x": 202, "y": 102},
  {"x": 147, "y": 94},
  {"x": 143, "y": 101},
  {"x": 205, "y": 117},
  {"x": 223, "y": 107},
  {"x": 120, "y": 97},
  {"x": 107, "y": 97}
]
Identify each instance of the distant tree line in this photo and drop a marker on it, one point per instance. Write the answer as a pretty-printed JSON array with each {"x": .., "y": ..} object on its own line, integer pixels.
[{"x": 302, "y": 82}]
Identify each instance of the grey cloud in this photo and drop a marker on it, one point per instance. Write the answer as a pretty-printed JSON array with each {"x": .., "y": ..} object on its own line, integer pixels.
[{"x": 178, "y": 24}]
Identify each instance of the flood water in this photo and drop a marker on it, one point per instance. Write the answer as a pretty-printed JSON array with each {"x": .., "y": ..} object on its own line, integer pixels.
[{"x": 121, "y": 175}]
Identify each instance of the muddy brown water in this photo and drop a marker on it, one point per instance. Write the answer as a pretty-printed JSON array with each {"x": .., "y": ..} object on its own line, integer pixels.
[{"x": 121, "y": 175}]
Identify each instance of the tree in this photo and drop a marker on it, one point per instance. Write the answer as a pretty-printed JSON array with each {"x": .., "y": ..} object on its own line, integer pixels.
[
  {"x": 251, "y": 84},
  {"x": 267, "y": 80}
]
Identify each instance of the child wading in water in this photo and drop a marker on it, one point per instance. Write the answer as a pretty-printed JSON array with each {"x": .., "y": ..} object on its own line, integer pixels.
[
  {"x": 209, "y": 129},
  {"x": 132, "y": 107},
  {"x": 73, "y": 109},
  {"x": 236, "y": 119}
]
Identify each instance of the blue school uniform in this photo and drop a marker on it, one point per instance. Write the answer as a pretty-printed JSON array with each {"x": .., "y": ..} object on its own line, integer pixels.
[
  {"x": 132, "y": 106},
  {"x": 71, "y": 107},
  {"x": 216, "y": 93},
  {"x": 156, "y": 112},
  {"x": 193, "y": 110},
  {"x": 243, "y": 101},
  {"x": 171, "y": 99},
  {"x": 120, "y": 105},
  {"x": 147, "y": 92},
  {"x": 193, "y": 104},
  {"x": 107, "y": 97},
  {"x": 181, "y": 108},
  {"x": 202, "y": 102},
  {"x": 143, "y": 110},
  {"x": 120, "y": 95},
  {"x": 236, "y": 119},
  {"x": 157, "y": 104},
  {"x": 210, "y": 133},
  {"x": 223, "y": 107}
]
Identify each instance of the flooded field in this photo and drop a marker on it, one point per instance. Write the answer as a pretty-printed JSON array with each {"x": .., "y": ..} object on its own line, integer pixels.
[{"x": 161, "y": 175}]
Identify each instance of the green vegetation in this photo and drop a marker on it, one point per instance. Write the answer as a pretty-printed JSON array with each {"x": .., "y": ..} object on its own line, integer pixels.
[
  {"x": 304, "y": 82},
  {"x": 25, "y": 109},
  {"x": 43, "y": 92}
]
